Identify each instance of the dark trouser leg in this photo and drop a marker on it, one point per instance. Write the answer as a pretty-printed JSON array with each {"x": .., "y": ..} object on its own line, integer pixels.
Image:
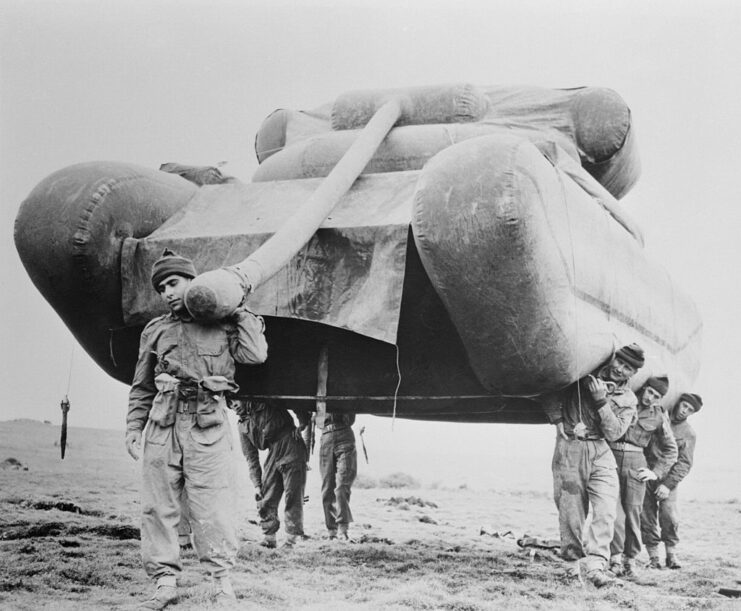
[
  {"x": 327, "y": 470},
  {"x": 346, "y": 460},
  {"x": 649, "y": 518},
  {"x": 294, "y": 480},
  {"x": 272, "y": 490},
  {"x": 669, "y": 520}
]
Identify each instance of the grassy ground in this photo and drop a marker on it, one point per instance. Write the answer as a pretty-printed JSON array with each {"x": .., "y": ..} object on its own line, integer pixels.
[{"x": 69, "y": 540}]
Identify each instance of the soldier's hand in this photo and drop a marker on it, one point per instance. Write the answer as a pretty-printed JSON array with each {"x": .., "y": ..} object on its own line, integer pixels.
[
  {"x": 645, "y": 475},
  {"x": 134, "y": 444},
  {"x": 662, "y": 492},
  {"x": 598, "y": 389},
  {"x": 258, "y": 493}
]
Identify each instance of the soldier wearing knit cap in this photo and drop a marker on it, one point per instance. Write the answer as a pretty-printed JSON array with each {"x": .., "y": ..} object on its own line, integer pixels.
[
  {"x": 597, "y": 408},
  {"x": 651, "y": 425},
  {"x": 659, "y": 518},
  {"x": 184, "y": 371}
]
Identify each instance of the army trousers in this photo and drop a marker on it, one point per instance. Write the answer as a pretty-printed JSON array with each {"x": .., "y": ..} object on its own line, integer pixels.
[
  {"x": 659, "y": 519},
  {"x": 284, "y": 472},
  {"x": 338, "y": 465},
  {"x": 185, "y": 463},
  {"x": 584, "y": 473},
  {"x": 627, "y": 538}
]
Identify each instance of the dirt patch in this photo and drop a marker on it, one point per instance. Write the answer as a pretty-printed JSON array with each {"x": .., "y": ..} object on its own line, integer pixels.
[
  {"x": 405, "y": 502},
  {"x": 25, "y": 530},
  {"x": 13, "y": 463},
  {"x": 43, "y": 505}
]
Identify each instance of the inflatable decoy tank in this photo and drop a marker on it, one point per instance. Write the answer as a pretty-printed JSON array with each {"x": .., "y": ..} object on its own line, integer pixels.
[{"x": 449, "y": 252}]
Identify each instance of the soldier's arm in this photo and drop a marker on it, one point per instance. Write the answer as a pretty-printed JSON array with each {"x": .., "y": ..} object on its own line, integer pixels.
[
  {"x": 247, "y": 343},
  {"x": 252, "y": 456},
  {"x": 685, "y": 457},
  {"x": 615, "y": 418},
  {"x": 667, "y": 451},
  {"x": 143, "y": 390}
]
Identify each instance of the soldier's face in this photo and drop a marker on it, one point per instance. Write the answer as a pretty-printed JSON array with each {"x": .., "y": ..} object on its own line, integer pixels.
[
  {"x": 172, "y": 290},
  {"x": 650, "y": 396},
  {"x": 683, "y": 410},
  {"x": 619, "y": 370}
]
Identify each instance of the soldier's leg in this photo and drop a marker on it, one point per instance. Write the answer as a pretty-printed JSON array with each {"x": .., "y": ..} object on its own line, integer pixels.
[
  {"x": 618, "y": 539},
  {"x": 208, "y": 464},
  {"x": 294, "y": 480},
  {"x": 603, "y": 489},
  {"x": 184, "y": 531},
  {"x": 272, "y": 491},
  {"x": 346, "y": 461},
  {"x": 669, "y": 523},
  {"x": 649, "y": 521},
  {"x": 570, "y": 495},
  {"x": 635, "y": 493},
  {"x": 162, "y": 482},
  {"x": 327, "y": 470}
]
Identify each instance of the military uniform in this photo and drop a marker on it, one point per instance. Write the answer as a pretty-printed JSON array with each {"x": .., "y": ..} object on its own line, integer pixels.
[
  {"x": 651, "y": 425},
  {"x": 269, "y": 426},
  {"x": 659, "y": 519},
  {"x": 338, "y": 464},
  {"x": 584, "y": 469},
  {"x": 184, "y": 370}
]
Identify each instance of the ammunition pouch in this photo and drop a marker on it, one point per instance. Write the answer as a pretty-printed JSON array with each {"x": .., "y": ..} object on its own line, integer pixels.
[
  {"x": 165, "y": 403},
  {"x": 212, "y": 401}
]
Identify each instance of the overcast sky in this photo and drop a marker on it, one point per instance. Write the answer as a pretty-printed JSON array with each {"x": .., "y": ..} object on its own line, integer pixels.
[{"x": 190, "y": 81}]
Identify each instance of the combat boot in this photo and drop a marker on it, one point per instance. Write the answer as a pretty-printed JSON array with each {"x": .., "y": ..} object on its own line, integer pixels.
[
  {"x": 165, "y": 594},
  {"x": 269, "y": 541},
  {"x": 332, "y": 534},
  {"x": 654, "y": 563},
  {"x": 616, "y": 566},
  {"x": 629, "y": 568},
  {"x": 290, "y": 541},
  {"x": 600, "y": 578},
  {"x": 672, "y": 562},
  {"x": 342, "y": 533}
]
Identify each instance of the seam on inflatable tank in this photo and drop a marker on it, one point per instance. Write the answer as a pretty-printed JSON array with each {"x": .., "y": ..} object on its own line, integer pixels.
[{"x": 81, "y": 237}]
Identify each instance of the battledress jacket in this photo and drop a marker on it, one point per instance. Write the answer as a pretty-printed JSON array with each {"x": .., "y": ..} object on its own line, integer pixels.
[
  {"x": 651, "y": 426},
  {"x": 685, "y": 437},
  {"x": 575, "y": 404},
  {"x": 191, "y": 351}
]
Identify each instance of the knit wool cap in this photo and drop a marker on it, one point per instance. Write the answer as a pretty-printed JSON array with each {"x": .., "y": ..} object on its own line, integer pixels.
[
  {"x": 659, "y": 383},
  {"x": 632, "y": 354},
  {"x": 170, "y": 263},
  {"x": 694, "y": 400}
]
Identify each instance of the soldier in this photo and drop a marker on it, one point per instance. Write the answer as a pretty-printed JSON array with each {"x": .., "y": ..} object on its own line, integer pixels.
[
  {"x": 661, "y": 497},
  {"x": 597, "y": 407},
  {"x": 338, "y": 464},
  {"x": 650, "y": 425},
  {"x": 269, "y": 426},
  {"x": 184, "y": 370}
]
